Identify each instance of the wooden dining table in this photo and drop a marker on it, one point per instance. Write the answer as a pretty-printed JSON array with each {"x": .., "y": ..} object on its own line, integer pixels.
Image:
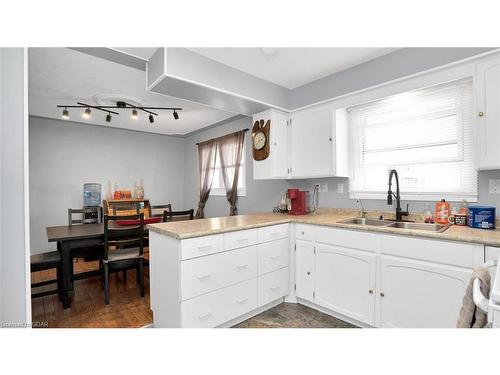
[{"x": 69, "y": 238}]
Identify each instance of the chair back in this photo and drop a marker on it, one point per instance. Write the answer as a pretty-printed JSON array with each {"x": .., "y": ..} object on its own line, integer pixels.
[
  {"x": 159, "y": 210},
  {"x": 178, "y": 215},
  {"x": 85, "y": 215},
  {"x": 117, "y": 237}
]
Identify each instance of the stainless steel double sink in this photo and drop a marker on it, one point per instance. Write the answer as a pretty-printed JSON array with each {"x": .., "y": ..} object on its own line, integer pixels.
[{"x": 436, "y": 228}]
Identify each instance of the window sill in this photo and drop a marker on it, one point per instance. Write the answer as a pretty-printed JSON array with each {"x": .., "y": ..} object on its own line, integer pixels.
[{"x": 217, "y": 192}]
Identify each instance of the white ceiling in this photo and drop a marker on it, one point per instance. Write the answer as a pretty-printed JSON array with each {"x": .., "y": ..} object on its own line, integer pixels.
[
  {"x": 64, "y": 76},
  {"x": 292, "y": 67}
]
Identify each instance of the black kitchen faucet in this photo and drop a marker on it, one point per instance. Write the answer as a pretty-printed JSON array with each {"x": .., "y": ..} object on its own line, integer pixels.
[{"x": 399, "y": 212}]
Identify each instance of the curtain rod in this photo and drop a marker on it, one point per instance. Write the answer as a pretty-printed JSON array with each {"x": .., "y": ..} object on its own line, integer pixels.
[{"x": 221, "y": 136}]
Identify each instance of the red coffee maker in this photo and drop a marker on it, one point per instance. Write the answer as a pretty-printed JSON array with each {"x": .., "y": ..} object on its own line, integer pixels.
[{"x": 297, "y": 202}]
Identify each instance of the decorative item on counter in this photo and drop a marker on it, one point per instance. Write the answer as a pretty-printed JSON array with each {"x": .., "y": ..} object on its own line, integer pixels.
[
  {"x": 122, "y": 194},
  {"x": 442, "y": 212},
  {"x": 453, "y": 213},
  {"x": 460, "y": 219},
  {"x": 428, "y": 217},
  {"x": 140, "y": 190},
  {"x": 482, "y": 217},
  {"x": 109, "y": 194}
]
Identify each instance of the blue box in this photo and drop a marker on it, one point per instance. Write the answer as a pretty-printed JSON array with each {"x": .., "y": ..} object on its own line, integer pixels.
[{"x": 482, "y": 217}]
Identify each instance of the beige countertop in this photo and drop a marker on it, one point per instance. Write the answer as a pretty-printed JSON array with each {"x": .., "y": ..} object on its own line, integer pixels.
[{"x": 326, "y": 217}]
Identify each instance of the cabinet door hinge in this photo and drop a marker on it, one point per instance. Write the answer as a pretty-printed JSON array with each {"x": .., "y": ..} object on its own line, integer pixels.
[
  {"x": 295, "y": 287},
  {"x": 314, "y": 249},
  {"x": 295, "y": 247},
  {"x": 314, "y": 294}
]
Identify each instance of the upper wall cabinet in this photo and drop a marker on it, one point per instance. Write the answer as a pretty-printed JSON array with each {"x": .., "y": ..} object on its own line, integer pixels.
[
  {"x": 488, "y": 114},
  {"x": 276, "y": 164},
  {"x": 314, "y": 138},
  {"x": 305, "y": 144}
]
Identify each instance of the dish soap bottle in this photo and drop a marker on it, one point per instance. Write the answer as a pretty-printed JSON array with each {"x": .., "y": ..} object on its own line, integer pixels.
[{"x": 442, "y": 212}]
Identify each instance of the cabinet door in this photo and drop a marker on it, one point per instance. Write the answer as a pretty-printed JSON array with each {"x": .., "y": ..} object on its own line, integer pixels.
[
  {"x": 488, "y": 108},
  {"x": 279, "y": 144},
  {"x": 345, "y": 281},
  {"x": 420, "y": 294},
  {"x": 304, "y": 272},
  {"x": 312, "y": 150}
]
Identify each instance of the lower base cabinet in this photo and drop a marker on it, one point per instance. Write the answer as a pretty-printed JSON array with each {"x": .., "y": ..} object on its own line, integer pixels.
[
  {"x": 272, "y": 286},
  {"x": 417, "y": 294},
  {"x": 345, "y": 281}
]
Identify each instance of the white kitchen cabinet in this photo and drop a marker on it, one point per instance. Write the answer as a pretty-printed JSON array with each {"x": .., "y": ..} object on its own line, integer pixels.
[
  {"x": 418, "y": 294},
  {"x": 488, "y": 114},
  {"x": 276, "y": 164},
  {"x": 304, "y": 269},
  {"x": 345, "y": 281},
  {"x": 313, "y": 140}
]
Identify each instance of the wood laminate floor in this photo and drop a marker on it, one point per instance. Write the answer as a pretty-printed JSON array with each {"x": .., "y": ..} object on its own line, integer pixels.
[{"x": 127, "y": 309}]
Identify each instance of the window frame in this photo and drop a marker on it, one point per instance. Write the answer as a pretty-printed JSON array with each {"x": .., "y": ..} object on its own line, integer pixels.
[
  {"x": 221, "y": 190},
  {"x": 418, "y": 83}
]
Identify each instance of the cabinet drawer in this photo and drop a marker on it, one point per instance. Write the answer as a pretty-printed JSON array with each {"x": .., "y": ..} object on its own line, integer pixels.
[
  {"x": 304, "y": 232},
  {"x": 199, "y": 246},
  {"x": 445, "y": 252},
  {"x": 220, "y": 306},
  {"x": 205, "y": 274},
  {"x": 273, "y": 255},
  {"x": 241, "y": 238},
  {"x": 274, "y": 232},
  {"x": 352, "y": 239},
  {"x": 272, "y": 286}
]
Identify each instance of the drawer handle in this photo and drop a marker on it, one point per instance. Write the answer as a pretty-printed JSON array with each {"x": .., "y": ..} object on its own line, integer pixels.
[
  {"x": 242, "y": 267},
  {"x": 204, "y": 277},
  {"x": 242, "y": 300},
  {"x": 204, "y": 316},
  {"x": 302, "y": 233},
  {"x": 242, "y": 240},
  {"x": 204, "y": 248},
  {"x": 274, "y": 257},
  {"x": 275, "y": 288}
]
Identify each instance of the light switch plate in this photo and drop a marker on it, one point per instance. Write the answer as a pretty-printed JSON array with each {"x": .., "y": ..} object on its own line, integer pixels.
[
  {"x": 340, "y": 188},
  {"x": 494, "y": 186}
]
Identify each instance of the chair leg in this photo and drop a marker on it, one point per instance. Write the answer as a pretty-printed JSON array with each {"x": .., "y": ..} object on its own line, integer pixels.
[
  {"x": 59, "y": 282},
  {"x": 124, "y": 273},
  {"x": 106, "y": 284},
  {"x": 141, "y": 276},
  {"x": 138, "y": 275}
]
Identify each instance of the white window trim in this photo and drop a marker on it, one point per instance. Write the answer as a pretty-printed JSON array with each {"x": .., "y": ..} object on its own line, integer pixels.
[{"x": 462, "y": 71}]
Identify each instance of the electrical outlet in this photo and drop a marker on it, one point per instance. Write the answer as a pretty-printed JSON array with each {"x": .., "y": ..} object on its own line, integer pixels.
[
  {"x": 494, "y": 186},
  {"x": 340, "y": 188},
  {"x": 324, "y": 187}
]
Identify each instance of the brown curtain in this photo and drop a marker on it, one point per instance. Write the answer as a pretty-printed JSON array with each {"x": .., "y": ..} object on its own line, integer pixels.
[
  {"x": 206, "y": 163},
  {"x": 230, "y": 148}
]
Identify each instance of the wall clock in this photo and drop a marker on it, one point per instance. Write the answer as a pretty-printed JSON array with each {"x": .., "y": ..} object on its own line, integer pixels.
[{"x": 260, "y": 139}]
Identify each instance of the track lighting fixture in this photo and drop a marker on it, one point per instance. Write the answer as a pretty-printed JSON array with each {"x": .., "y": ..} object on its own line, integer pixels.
[
  {"x": 86, "y": 113},
  {"x": 120, "y": 105}
]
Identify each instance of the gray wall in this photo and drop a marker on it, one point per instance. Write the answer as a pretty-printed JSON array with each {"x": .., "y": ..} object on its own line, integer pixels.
[
  {"x": 261, "y": 196},
  {"x": 13, "y": 258},
  {"x": 64, "y": 155}
]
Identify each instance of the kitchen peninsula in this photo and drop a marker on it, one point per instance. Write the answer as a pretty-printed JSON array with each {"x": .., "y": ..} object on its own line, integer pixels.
[{"x": 221, "y": 271}]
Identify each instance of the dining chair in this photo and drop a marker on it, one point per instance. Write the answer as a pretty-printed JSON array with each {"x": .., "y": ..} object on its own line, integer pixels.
[
  {"x": 178, "y": 215},
  {"x": 159, "y": 210},
  {"x": 123, "y": 249},
  {"x": 44, "y": 262},
  {"x": 78, "y": 216}
]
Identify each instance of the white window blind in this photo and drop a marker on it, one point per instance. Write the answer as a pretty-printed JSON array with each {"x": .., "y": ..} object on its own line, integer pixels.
[{"x": 425, "y": 135}]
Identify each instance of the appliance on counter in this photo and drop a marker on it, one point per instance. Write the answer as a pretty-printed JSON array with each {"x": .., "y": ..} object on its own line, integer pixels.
[
  {"x": 482, "y": 217},
  {"x": 298, "y": 202},
  {"x": 92, "y": 203}
]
